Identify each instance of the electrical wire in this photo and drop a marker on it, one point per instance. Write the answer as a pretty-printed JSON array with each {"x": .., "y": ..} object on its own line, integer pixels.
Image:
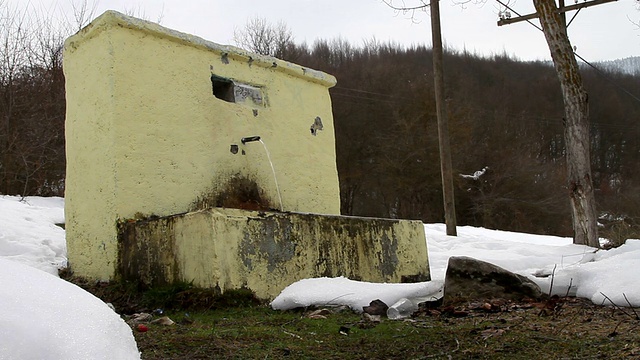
[
  {"x": 600, "y": 72},
  {"x": 604, "y": 75},
  {"x": 481, "y": 111}
]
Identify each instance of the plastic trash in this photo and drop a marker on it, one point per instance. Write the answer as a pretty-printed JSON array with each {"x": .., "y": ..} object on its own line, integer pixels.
[
  {"x": 402, "y": 309},
  {"x": 163, "y": 321}
]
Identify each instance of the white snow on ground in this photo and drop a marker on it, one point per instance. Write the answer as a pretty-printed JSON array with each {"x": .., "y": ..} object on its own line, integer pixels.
[
  {"x": 590, "y": 273},
  {"x": 355, "y": 294},
  {"x": 44, "y": 317},
  {"x": 29, "y": 234},
  {"x": 41, "y": 315}
]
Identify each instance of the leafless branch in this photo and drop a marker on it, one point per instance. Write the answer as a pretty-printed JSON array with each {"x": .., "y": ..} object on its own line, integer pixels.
[
  {"x": 618, "y": 307},
  {"x": 569, "y": 288},
  {"x": 138, "y": 12},
  {"x": 631, "y": 306},
  {"x": 636, "y": 23},
  {"x": 161, "y": 15},
  {"x": 404, "y": 7},
  {"x": 553, "y": 275},
  {"x": 83, "y": 13},
  {"x": 264, "y": 38}
]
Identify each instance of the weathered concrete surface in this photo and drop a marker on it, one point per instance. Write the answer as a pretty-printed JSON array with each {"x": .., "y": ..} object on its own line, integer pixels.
[
  {"x": 471, "y": 279},
  {"x": 152, "y": 128},
  {"x": 266, "y": 251}
]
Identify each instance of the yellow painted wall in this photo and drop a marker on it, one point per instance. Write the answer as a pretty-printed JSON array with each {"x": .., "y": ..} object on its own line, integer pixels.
[
  {"x": 266, "y": 251},
  {"x": 146, "y": 135}
]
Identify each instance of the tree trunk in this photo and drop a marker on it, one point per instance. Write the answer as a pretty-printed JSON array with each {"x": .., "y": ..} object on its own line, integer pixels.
[{"x": 576, "y": 133}]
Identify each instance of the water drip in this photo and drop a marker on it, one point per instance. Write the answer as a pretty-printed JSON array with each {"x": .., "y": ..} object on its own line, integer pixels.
[
  {"x": 275, "y": 179},
  {"x": 247, "y": 139}
]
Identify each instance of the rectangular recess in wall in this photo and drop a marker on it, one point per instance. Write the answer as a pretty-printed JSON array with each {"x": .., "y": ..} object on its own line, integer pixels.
[{"x": 236, "y": 92}]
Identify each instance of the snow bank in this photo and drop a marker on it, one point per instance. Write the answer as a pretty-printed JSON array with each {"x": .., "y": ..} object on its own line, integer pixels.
[
  {"x": 355, "y": 294},
  {"x": 611, "y": 273},
  {"x": 29, "y": 234},
  {"x": 41, "y": 315},
  {"x": 45, "y": 317}
]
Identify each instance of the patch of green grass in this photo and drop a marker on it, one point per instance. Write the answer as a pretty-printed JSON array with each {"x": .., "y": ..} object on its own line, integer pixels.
[
  {"x": 130, "y": 297},
  {"x": 237, "y": 326},
  {"x": 257, "y": 332}
]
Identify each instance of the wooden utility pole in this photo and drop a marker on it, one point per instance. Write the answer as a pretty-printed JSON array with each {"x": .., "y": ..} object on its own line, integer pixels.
[
  {"x": 443, "y": 127},
  {"x": 446, "y": 170},
  {"x": 576, "y": 110}
]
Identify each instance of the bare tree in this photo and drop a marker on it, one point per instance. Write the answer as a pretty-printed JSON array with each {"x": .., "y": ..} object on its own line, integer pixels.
[
  {"x": 576, "y": 108},
  {"x": 83, "y": 13},
  {"x": 140, "y": 12},
  {"x": 264, "y": 38},
  {"x": 31, "y": 103},
  {"x": 14, "y": 43},
  {"x": 403, "y": 8}
]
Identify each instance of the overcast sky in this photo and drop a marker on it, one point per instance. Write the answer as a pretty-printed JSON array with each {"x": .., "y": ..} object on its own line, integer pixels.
[{"x": 601, "y": 32}]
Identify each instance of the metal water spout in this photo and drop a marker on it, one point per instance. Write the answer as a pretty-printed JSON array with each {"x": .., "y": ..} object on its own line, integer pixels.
[{"x": 247, "y": 139}]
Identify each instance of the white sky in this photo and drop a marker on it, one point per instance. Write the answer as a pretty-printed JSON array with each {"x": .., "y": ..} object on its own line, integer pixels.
[{"x": 602, "y": 32}]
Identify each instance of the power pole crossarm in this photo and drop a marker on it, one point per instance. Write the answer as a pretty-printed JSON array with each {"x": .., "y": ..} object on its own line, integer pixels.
[{"x": 561, "y": 9}]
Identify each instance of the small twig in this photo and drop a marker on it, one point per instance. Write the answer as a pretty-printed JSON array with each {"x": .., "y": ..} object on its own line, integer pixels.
[
  {"x": 631, "y": 306},
  {"x": 615, "y": 330},
  {"x": 404, "y": 8},
  {"x": 292, "y": 334},
  {"x": 553, "y": 275},
  {"x": 289, "y": 322},
  {"x": 336, "y": 298},
  {"x": 571, "y": 321},
  {"x": 566, "y": 295},
  {"x": 617, "y": 307}
]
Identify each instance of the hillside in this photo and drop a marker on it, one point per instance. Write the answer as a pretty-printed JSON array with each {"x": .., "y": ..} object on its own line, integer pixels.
[
  {"x": 630, "y": 65},
  {"x": 504, "y": 115}
]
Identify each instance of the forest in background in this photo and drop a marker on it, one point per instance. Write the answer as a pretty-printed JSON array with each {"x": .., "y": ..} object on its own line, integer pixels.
[
  {"x": 506, "y": 123},
  {"x": 505, "y": 120}
]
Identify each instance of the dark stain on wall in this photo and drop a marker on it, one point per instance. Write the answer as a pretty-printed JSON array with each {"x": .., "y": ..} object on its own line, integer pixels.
[
  {"x": 272, "y": 241},
  {"x": 146, "y": 251},
  {"x": 239, "y": 192}
]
